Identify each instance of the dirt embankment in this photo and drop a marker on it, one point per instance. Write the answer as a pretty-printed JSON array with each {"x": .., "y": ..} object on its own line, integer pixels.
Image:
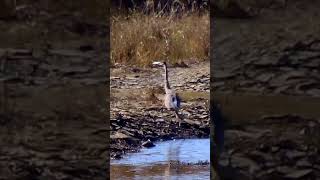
[{"x": 272, "y": 55}]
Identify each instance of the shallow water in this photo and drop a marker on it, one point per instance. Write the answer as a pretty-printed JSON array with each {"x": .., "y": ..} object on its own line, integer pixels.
[{"x": 154, "y": 163}]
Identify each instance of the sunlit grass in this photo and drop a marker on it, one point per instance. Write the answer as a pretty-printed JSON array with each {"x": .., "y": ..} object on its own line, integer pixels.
[{"x": 140, "y": 39}]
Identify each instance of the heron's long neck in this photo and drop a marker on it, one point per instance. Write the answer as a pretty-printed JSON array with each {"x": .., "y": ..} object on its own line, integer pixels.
[{"x": 166, "y": 81}]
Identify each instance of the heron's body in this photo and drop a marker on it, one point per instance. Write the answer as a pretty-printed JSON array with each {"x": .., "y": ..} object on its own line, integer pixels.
[{"x": 171, "y": 99}]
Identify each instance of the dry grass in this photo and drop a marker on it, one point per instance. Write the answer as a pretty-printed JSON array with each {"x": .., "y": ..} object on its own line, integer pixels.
[{"x": 140, "y": 39}]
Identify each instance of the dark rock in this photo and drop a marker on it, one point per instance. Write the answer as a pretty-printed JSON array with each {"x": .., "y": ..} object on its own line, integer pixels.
[
  {"x": 285, "y": 169},
  {"x": 287, "y": 144},
  {"x": 267, "y": 173},
  {"x": 243, "y": 162},
  {"x": 181, "y": 65},
  {"x": 265, "y": 77},
  {"x": 148, "y": 144},
  {"x": 260, "y": 156},
  {"x": 295, "y": 154},
  {"x": 313, "y": 92},
  {"x": 303, "y": 163},
  {"x": 299, "y": 174}
]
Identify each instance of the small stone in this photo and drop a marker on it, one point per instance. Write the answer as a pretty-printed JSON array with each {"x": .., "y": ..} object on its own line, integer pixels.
[
  {"x": 126, "y": 132},
  {"x": 119, "y": 135},
  {"x": 302, "y": 131},
  {"x": 159, "y": 120},
  {"x": 192, "y": 122}
]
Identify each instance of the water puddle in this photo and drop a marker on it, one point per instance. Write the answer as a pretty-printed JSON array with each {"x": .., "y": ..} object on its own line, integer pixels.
[{"x": 160, "y": 162}]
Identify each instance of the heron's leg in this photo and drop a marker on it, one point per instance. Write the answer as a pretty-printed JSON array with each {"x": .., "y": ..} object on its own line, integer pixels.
[{"x": 178, "y": 116}]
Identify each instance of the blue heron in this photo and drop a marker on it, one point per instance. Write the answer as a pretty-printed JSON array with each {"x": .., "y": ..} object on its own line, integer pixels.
[{"x": 171, "y": 99}]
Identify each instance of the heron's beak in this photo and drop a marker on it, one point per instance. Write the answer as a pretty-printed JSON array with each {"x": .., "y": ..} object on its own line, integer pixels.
[{"x": 157, "y": 63}]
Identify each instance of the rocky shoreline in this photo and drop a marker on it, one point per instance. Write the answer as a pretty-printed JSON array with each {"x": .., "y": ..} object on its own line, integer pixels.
[{"x": 138, "y": 114}]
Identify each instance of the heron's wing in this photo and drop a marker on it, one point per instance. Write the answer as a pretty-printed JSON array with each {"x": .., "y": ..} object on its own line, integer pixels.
[{"x": 178, "y": 100}]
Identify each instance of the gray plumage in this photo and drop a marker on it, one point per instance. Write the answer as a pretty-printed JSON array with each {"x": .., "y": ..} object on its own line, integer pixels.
[{"x": 171, "y": 99}]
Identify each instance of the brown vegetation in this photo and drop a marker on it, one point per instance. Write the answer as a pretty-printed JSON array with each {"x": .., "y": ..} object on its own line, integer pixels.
[{"x": 140, "y": 39}]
